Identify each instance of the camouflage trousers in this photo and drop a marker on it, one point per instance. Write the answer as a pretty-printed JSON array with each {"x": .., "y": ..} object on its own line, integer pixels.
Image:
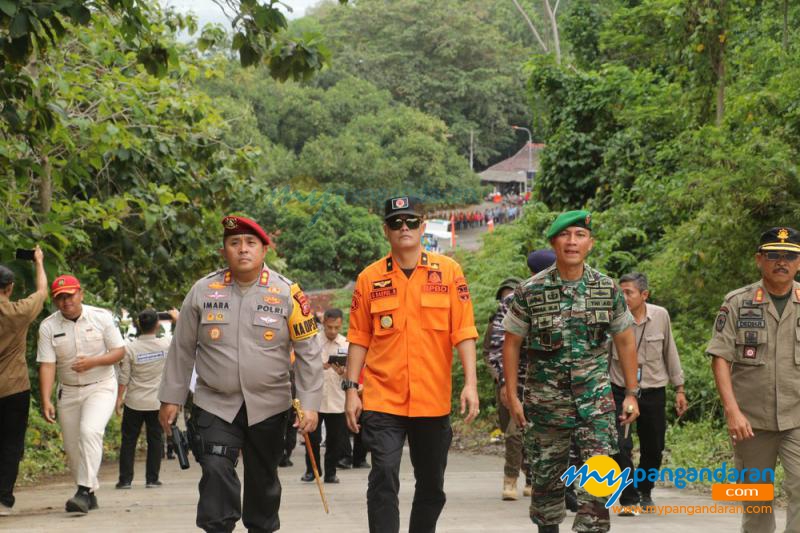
[{"x": 548, "y": 449}]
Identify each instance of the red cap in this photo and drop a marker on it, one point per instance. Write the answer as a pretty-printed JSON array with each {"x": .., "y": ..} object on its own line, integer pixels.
[
  {"x": 65, "y": 284},
  {"x": 243, "y": 226}
]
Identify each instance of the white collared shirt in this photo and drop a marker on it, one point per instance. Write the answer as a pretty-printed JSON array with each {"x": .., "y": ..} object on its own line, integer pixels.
[
  {"x": 332, "y": 394},
  {"x": 61, "y": 341}
]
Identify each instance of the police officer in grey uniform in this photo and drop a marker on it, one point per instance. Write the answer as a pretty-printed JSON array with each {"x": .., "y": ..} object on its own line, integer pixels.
[
  {"x": 755, "y": 351},
  {"x": 238, "y": 326}
]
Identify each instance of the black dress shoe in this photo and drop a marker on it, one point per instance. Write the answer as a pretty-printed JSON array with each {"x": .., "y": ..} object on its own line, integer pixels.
[
  {"x": 362, "y": 464},
  {"x": 153, "y": 484},
  {"x": 123, "y": 485},
  {"x": 345, "y": 464},
  {"x": 333, "y": 479},
  {"x": 93, "y": 502},
  {"x": 79, "y": 503},
  {"x": 307, "y": 477},
  {"x": 285, "y": 461}
]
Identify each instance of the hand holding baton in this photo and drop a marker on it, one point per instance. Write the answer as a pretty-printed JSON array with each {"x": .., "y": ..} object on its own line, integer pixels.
[
  {"x": 629, "y": 410},
  {"x": 300, "y": 415}
]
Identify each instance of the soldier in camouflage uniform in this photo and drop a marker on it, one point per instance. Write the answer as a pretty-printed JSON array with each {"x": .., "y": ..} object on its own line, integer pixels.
[
  {"x": 493, "y": 352},
  {"x": 567, "y": 313}
]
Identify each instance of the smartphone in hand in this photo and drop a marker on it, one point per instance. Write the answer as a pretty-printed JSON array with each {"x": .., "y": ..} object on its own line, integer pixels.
[{"x": 24, "y": 255}]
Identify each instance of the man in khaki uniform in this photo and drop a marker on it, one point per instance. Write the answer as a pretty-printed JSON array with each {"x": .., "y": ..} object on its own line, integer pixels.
[
  {"x": 139, "y": 377},
  {"x": 237, "y": 326},
  {"x": 755, "y": 351},
  {"x": 15, "y": 387},
  {"x": 659, "y": 364},
  {"x": 82, "y": 344}
]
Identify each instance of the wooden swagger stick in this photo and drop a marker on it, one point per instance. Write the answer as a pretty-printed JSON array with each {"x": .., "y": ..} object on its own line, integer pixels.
[{"x": 300, "y": 415}]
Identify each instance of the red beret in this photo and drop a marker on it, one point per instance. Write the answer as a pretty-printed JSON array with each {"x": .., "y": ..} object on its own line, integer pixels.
[{"x": 244, "y": 226}]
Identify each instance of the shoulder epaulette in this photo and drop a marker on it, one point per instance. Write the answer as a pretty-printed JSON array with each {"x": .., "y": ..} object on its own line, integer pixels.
[
  {"x": 284, "y": 279},
  {"x": 740, "y": 290},
  {"x": 216, "y": 273}
]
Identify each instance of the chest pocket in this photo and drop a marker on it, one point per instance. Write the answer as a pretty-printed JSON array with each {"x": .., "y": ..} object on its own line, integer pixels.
[
  {"x": 797, "y": 344},
  {"x": 751, "y": 347},
  {"x": 385, "y": 317},
  {"x": 269, "y": 327},
  {"x": 92, "y": 342},
  {"x": 214, "y": 326},
  {"x": 653, "y": 346},
  {"x": 435, "y": 311},
  {"x": 62, "y": 345}
]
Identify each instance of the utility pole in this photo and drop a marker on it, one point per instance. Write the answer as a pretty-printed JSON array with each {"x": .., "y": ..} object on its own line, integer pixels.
[{"x": 471, "y": 149}]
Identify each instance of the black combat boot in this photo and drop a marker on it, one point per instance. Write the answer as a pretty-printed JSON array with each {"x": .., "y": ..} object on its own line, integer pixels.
[{"x": 553, "y": 528}]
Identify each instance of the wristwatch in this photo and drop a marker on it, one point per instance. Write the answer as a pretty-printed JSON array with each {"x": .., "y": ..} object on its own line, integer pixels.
[
  {"x": 636, "y": 393},
  {"x": 347, "y": 384}
]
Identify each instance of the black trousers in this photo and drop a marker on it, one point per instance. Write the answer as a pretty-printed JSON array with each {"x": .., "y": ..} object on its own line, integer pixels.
[
  {"x": 220, "y": 505},
  {"x": 335, "y": 431},
  {"x": 355, "y": 451},
  {"x": 651, "y": 426},
  {"x": 428, "y": 441},
  {"x": 13, "y": 422},
  {"x": 132, "y": 420},
  {"x": 291, "y": 433}
]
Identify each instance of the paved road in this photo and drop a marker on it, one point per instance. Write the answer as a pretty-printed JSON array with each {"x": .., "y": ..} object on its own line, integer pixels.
[{"x": 473, "y": 488}]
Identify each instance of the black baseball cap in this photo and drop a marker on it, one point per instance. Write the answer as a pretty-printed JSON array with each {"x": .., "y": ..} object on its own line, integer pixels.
[{"x": 402, "y": 205}]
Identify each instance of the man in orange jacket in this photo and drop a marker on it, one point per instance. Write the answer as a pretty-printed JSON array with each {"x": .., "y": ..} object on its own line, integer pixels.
[{"x": 409, "y": 309}]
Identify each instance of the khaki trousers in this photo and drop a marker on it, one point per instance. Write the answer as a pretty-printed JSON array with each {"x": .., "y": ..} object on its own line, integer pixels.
[
  {"x": 83, "y": 413},
  {"x": 762, "y": 451}
]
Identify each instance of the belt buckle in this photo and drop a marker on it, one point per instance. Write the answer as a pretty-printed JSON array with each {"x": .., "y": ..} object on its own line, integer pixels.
[{"x": 216, "y": 449}]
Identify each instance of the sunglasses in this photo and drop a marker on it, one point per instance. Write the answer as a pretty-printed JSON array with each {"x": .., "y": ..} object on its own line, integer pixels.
[
  {"x": 396, "y": 223},
  {"x": 785, "y": 256}
]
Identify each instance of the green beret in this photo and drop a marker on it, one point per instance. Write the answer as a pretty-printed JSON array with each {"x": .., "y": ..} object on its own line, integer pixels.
[{"x": 581, "y": 218}]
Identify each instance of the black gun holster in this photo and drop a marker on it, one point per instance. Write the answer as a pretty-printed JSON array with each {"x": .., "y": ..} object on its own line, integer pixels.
[{"x": 200, "y": 447}]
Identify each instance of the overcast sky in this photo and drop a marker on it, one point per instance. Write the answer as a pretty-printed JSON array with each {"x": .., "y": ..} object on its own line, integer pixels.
[{"x": 207, "y": 11}]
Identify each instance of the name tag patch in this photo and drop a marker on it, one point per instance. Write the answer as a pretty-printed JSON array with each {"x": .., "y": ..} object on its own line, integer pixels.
[
  {"x": 149, "y": 357},
  {"x": 592, "y": 303},
  {"x": 742, "y": 324},
  {"x": 382, "y": 293}
]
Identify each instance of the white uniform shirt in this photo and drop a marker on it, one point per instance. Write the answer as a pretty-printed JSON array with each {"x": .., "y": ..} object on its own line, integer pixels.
[
  {"x": 332, "y": 393},
  {"x": 61, "y": 341}
]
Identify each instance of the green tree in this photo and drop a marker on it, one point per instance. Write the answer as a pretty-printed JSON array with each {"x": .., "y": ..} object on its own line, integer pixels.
[
  {"x": 129, "y": 180},
  {"x": 324, "y": 244},
  {"x": 445, "y": 58},
  {"x": 396, "y": 151}
]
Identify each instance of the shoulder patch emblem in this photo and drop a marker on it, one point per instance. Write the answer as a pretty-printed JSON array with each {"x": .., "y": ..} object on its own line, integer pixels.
[
  {"x": 302, "y": 301},
  {"x": 721, "y": 319}
]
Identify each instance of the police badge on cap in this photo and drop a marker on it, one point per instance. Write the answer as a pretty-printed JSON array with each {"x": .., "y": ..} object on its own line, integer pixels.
[
  {"x": 402, "y": 205},
  {"x": 244, "y": 226},
  {"x": 782, "y": 238}
]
